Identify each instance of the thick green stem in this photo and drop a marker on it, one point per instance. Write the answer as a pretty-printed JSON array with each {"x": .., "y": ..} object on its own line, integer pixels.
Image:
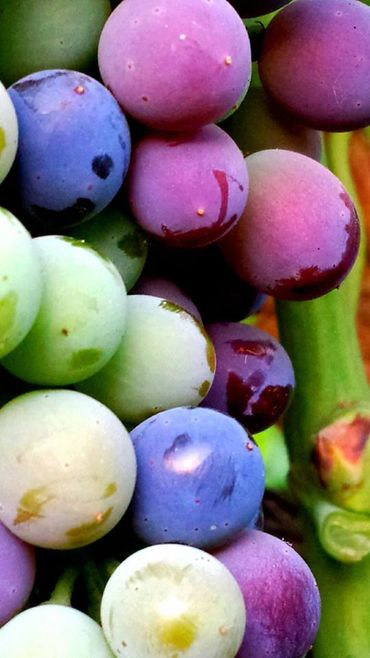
[
  {"x": 345, "y": 621},
  {"x": 320, "y": 337}
]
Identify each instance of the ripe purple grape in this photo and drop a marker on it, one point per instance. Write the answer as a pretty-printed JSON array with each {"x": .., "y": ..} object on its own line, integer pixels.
[
  {"x": 299, "y": 234},
  {"x": 315, "y": 62},
  {"x": 188, "y": 189},
  {"x": 254, "y": 378},
  {"x": 200, "y": 478},
  {"x": 74, "y": 147},
  {"x": 175, "y": 65},
  {"x": 17, "y": 573},
  {"x": 280, "y": 594}
]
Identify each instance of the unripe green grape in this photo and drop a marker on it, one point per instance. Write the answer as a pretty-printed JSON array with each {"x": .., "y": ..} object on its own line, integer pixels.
[
  {"x": 81, "y": 318},
  {"x": 172, "y": 600},
  {"x": 117, "y": 236},
  {"x": 35, "y": 35},
  {"x": 165, "y": 360},
  {"x": 8, "y": 132},
  {"x": 55, "y": 631},
  {"x": 67, "y": 468},
  {"x": 20, "y": 282}
]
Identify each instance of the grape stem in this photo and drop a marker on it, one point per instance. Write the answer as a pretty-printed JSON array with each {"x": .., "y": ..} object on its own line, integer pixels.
[
  {"x": 62, "y": 593},
  {"x": 331, "y": 392}
]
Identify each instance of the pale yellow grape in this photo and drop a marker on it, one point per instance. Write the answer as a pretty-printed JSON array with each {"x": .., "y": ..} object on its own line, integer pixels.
[
  {"x": 8, "y": 132},
  {"x": 67, "y": 468},
  {"x": 171, "y": 600}
]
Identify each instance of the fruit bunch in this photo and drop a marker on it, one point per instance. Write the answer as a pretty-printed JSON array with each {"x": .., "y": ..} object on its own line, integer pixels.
[{"x": 165, "y": 167}]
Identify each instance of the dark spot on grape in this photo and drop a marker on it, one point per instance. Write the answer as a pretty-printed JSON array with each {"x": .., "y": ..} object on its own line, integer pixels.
[
  {"x": 33, "y": 83},
  {"x": 64, "y": 332},
  {"x": 67, "y": 216},
  {"x": 221, "y": 179},
  {"x": 122, "y": 141},
  {"x": 171, "y": 306},
  {"x": 84, "y": 358},
  {"x": 204, "y": 388},
  {"x": 145, "y": 98},
  {"x": 258, "y": 349},
  {"x": 271, "y": 404},
  {"x": 133, "y": 244},
  {"x": 102, "y": 165},
  {"x": 197, "y": 237}
]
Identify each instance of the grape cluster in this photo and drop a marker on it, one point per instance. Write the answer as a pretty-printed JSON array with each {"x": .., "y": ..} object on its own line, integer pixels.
[{"x": 156, "y": 187}]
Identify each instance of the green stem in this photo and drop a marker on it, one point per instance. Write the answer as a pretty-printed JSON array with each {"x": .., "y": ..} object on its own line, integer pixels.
[
  {"x": 62, "y": 593},
  {"x": 344, "y": 588},
  {"x": 320, "y": 337},
  {"x": 336, "y": 149},
  {"x": 95, "y": 583}
]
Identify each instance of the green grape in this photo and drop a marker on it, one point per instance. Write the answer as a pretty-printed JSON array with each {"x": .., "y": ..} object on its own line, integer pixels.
[
  {"x": 165, "y": 360},
  {"x": 35, "y": 35},
  {"x": 53, "y": 631},
  {"x": 188, "y": 603},
  {"x": 81, "y": 319},
  {"x": 8, "y": 132},
  {"x": 117, "y": 236},
  {"x": 20, "y": 282},
  {"x": 67, "y": 468}
]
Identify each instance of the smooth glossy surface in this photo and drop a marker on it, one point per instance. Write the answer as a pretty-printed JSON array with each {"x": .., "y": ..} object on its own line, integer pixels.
[
  {"x": 200, "y": 478},
  {"x": 187, "y": 602},
  {"x": 17, "y": 574}
]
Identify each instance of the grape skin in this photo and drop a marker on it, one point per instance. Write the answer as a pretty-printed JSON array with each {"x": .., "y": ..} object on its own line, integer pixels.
[
  {"x": 299, "y": 234},
  {"x": 280, "y": 594},
  {"x": 17, "y": 573},
  {"x": 67, "y": 468},
  {"x": 200, "y": 478},
  {"x": 315, "y": 63},
  {"x": 175, "y": 65},
  {"x": 185, "y": 599},
  {"x": 188, "y": 190}
]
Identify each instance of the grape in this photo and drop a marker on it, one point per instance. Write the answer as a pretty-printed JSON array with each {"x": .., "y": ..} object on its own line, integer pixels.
[
  {"x": 261, "y": 124},
  {"x": 81, "y": 319},
  {"x": 209, "y": 281},
  {"x": 53, "y": 630},
  {"x": 314, "y": 62},
  {"x": 165, "y": 360},
  {"x": 33, "y": 38},
  {"x": 164, "y": 288},
  {"x": 8, "y": 131},
  {"x": 186, "y": 601},
  {"x": 280, "y": 595},
  {"x": 251, "y": 8},
  {"x": 200, "y": 478},
  {"x": 67, "y": 468},
  {"x": 254, "y": 378},
  {"x": 20, "y": 282},
  {"x": 188, "y": 190},
  {"x": 299, "y": 234},
  {"x": 175, "y": 65},
  {"x": 17, "y": 574},
  {"x": 74, "y": 147},
  {"x": 117, "y": 236}
]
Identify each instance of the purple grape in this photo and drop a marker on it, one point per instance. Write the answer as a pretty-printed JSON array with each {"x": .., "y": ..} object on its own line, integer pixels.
[
  {"x": 218, "y": 293},
  {"x": 280, "y": 594},
  {"x": 17, "y": 573},
  {"x": 74, "y": 147},
  {"x": 251, "y": 8},
  {"x": 315, "y": 62},
  {"x": 299, "y": 234},
  {"x": 175, "y": 65},
  {"x": 166, "y": 289},
  {"x": 254, "y": 378},
  {"x": 188, "y": 189},
  {"x": 200, "y": 478},
  {"x": 260, "y": 124}
]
